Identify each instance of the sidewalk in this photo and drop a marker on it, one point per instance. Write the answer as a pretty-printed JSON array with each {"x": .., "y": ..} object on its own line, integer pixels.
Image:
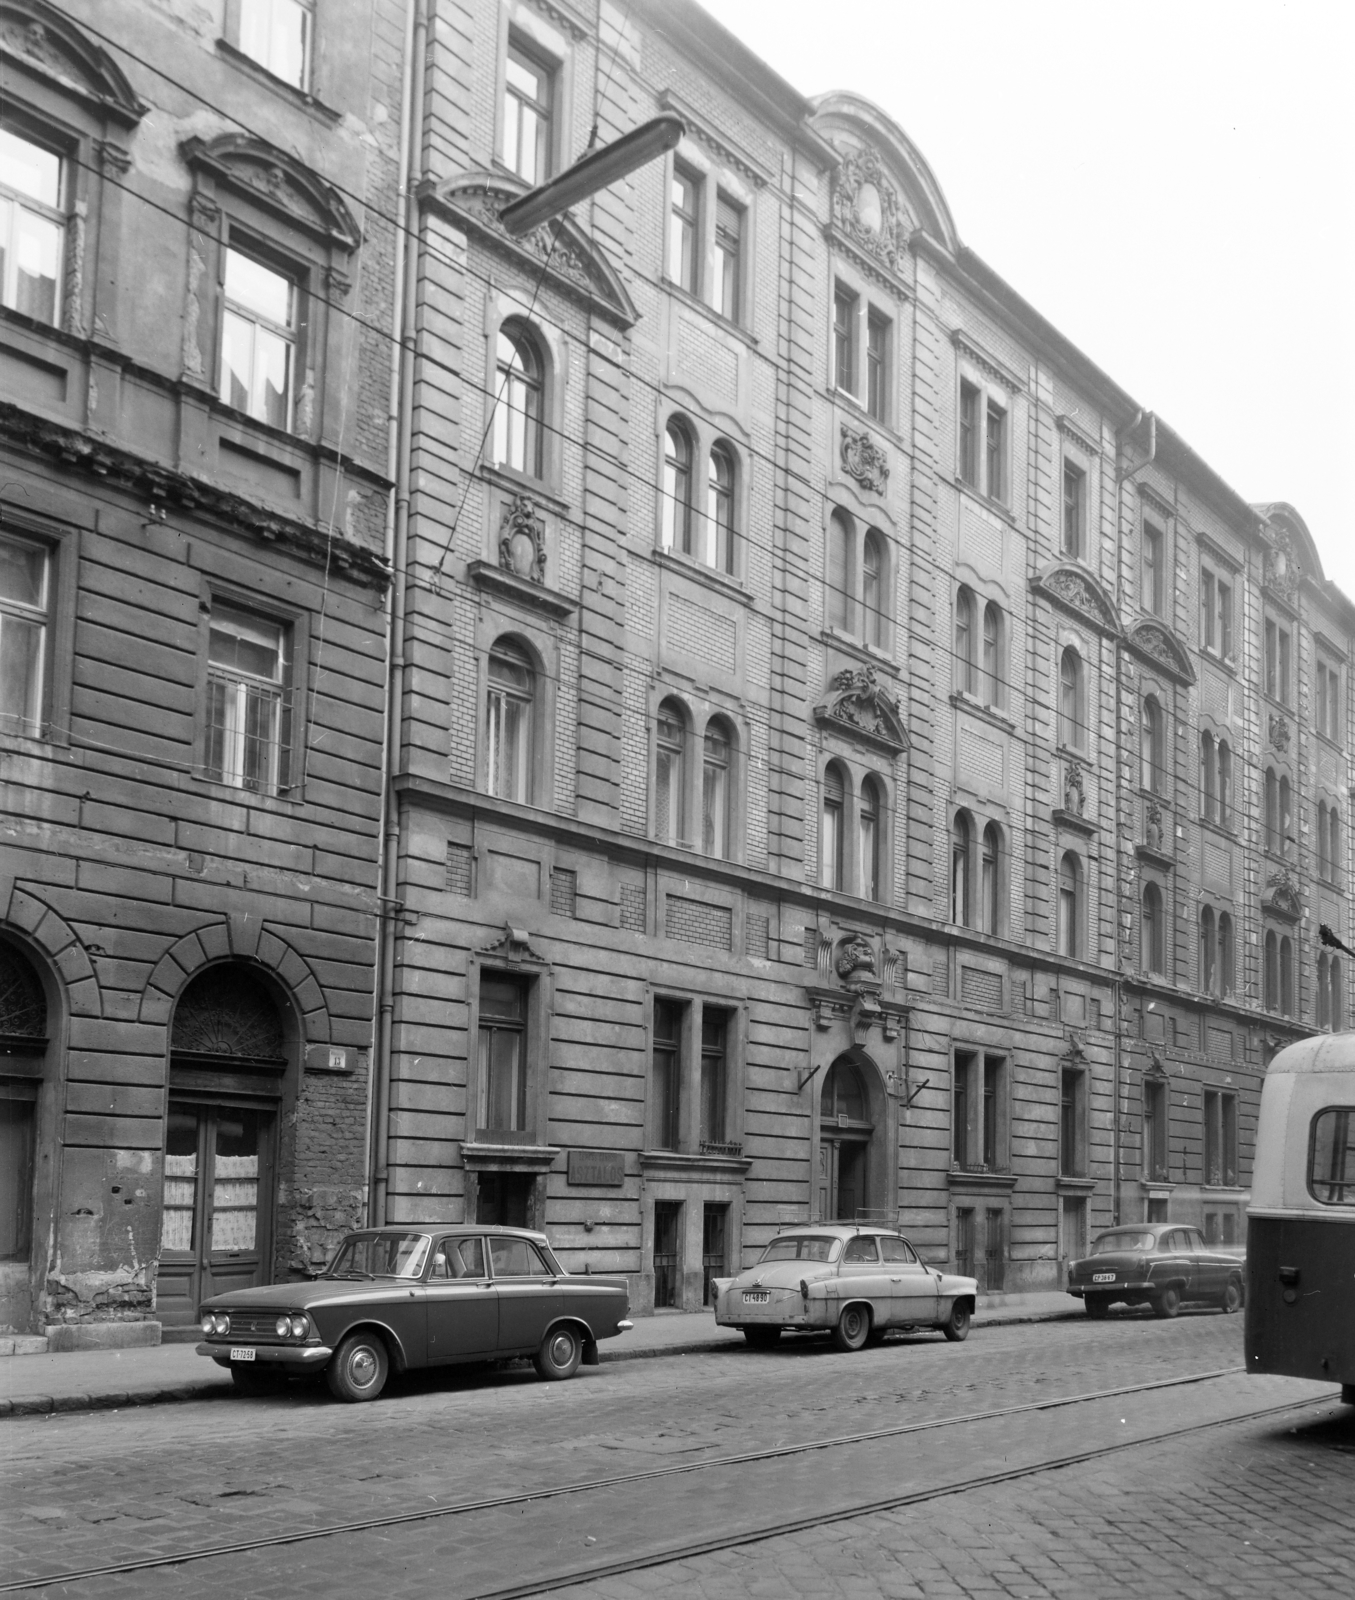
[{"x": 94, "y": 1380}]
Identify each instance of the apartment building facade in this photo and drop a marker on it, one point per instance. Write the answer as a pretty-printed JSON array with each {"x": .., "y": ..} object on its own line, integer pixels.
[{"x": 195, "y": 338}]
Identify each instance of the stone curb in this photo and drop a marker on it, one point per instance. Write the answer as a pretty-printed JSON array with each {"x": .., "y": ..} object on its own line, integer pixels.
[{"x": 33, "y": 1405}]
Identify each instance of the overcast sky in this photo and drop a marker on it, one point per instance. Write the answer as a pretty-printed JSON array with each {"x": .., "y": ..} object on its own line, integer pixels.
[{"x": 1171, "y": 183}]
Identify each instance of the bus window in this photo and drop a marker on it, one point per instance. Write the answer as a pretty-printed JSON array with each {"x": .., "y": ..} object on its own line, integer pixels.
[{"x": 1331, "y": 1159}]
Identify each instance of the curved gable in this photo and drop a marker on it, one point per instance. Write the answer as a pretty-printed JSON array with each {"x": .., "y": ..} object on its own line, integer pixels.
[
  {"x": 1287, "y": 527},
  {"x": 878, "y": 155},
  {"x": 277, "y": 181},
  {"x": 1073, "y": 587},
  {"x": 47, "y": 41},
  {"x": 575, "y": 261}
]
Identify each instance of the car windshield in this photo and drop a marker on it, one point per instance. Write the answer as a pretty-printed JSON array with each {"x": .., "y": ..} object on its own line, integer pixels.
[
  {"x": 381, "y": 1255},
  {"x": 797, "y": 1247},
  {"x": 1112, "y": 1243}
]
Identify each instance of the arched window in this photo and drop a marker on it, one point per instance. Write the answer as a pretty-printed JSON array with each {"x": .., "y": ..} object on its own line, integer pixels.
[
  {"x": 677, "y": 488},
  {"x": 1153, "y": 940},
  {"x": 1152, "y": 745},
  {"x": 670, "y": 787},
  {"x": 990, "y": 884},
  {"x": 830, "y": 832},
  {"x": 1323, "y": 992},
  {"x": 1209, "y": 777},
  {"x": 1323, "y": 870},
  {"x": 1227, "y": 976},
  {"x": 1209, "y": 951},
  {"x": 1225, "y": 785},
  {"x": 1272, "y": 973},
  {"x": 719, "y": 551},
  {"x": 838, "y": 605},
  {"x": 1272, "y": 809},
  {"x": 1070, "y": 873},
  {"x": 508, "y": 722},
  {"x": 959, "y": 870},
  {"x": 1070, "y": 699},
  {"x": 519, "y": 393},
  {"x": 1287, "y": 976},
  {"x": 1286, "y": 818},
  {"x": 992, "y": 654},
  {"x": 872, "y": 588},
  {"x": 715, "y": 764},
  {"x": 843, "y": 1095},
  {"x": 965, "y": 672},
  {"x": 868, "y": 819}
]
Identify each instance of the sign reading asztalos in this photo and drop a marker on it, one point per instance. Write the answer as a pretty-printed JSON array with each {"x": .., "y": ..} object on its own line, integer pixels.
[{"x": 597, "y": 1167}]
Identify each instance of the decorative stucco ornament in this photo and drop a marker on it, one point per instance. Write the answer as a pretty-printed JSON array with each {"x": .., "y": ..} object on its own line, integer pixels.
[
  {"x": 1279, "y": 732},
  {"x": 866, "y": 206},
  {"x": 854, "y": 957},
  {"x": 522, "y": 540},
  {"x": 864, "y": 460},
  {"x": 859, "y": 700}
]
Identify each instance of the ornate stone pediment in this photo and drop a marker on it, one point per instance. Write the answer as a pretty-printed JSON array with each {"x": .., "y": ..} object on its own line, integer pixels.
[
  {"x": 866, "y": 207},
  {"x": 46, "y": 40},
  {"x": 1281, "y": 898},
  {"x": 515, "y": 946},
  {"x": 278, "y": 181},
  {"x": 570, "y": 256},
  {"x": 1160, "y": 647},
  {"x": 1076, "y": 590},
  {"x": 864, "y": 460},
  {"x": 860, "y": 704},
  {"x": 1282, "y": 569}
]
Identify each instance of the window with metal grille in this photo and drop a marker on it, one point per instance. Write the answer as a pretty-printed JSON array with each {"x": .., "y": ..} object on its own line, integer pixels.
[
  {"x": 714, "y": 1249},
  {"x": 248, "y": 735},
  {"x": 667, "y": 1253}
]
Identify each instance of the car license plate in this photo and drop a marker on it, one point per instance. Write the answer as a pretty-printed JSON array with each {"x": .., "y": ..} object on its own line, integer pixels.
[
  {"x": 756, "y": 1297},
  {"x": 1103, "y": 1277},
  {"x": 242, "y": 1352}
]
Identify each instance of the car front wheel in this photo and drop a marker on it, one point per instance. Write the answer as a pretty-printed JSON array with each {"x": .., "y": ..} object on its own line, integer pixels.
[
  {"x": 560, "y": 1353},
  {"x": 1168, "y": 1303},
  {"x": 853, "y": 1328},
  {"x": 359, "y": 1368},
  {"x": 1097, "y": 1306},
  {"x": 763, "y": 1338},
  {"x": 956, "y": 1325},
  {"x": 1232, "y": 1297}
]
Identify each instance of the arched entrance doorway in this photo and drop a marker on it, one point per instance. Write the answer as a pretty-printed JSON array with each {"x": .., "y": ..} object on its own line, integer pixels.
[
  {"x": 228, "y": 1057},
  {"x": 845, "y": 1130},
  {"x": 23, "y": 1058}
]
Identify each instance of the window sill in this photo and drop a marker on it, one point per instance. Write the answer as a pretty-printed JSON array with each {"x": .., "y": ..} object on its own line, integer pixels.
[
  {"x": 722, "y": 582},
  {"x": 696, "y": 303},
  {"x": 523, "y": 483},
  {"x": 859, "y": 410},
  {"x": 292, "y": 800},
  {"x": 673, "y": 1163},
  {"x": 1224, "y": 663},
  {"x": 977, "y": 1178},
  {"x": 871, "y": 653},
  {"x": 1222, "y": 829},
  {"x": 1067, "y": 1184},
  {"x": 998, "y": 507},
  {"x": 991, "y": 714},
  {"x": 280, "y": 86},
  {"x": 508, "y": 585}
]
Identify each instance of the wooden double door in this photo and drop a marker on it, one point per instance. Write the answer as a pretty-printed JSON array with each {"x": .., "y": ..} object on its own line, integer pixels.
[
  {"x": 843, "y": 1159},
  {"x": 216, "y": 1226}
]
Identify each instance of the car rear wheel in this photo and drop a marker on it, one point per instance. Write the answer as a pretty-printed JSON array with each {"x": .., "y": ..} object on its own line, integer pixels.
[
  {"x": 252, "y": 1380},
  {"x": 1098, "y": 1306},
  {"x": 1168, "y": 1303},
  {"x": 359, "y": 1368},
  {"x": 956, "y": 1325},
  {"x": 560, "y": 1353},
  {"x": 763, "y": 1338},
  {"x": 853, "y": 1328},
  {"x": 1232, "y": 1297}
]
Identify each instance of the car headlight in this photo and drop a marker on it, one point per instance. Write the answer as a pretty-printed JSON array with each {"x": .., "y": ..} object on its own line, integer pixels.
[
  {"x": 208, "y": 1322},
  {"x": 300, "y": 1327},
  {"x": 215, "y": 1322},
  {"x": 283, "y": 1327}
]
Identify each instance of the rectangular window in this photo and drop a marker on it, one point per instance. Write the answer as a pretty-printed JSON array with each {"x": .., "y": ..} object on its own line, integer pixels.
[
  {"x": 1225, "y": 615},
  {"x": 667, "y": 1080},
  {"x": 276, "y": 34},
  {"x": 32, "y": 226},
  {"x": 667, "y": 1253},
  {"x": 714, "y": 1075},
  {"x": 1328, "y": 701},
  {"x": 844, "y": 340},
  {"x": 992, "y": 1090},
  {"x": 964, "y": 1068},
  {"x": 248, "y": 734},
  {"x": 25, "y": 586},
  {"x": 1331, "y": 1156},
  {"x": 978, "y": 1129},
  {"x": 964, "y": 1241},
  {"x": 528, "y": 93},
  {"x": 995, "y": 451},
  {"x": 728, "y": 256},
  {"x": 1154, "y": 553},
  {"x": 1154, "y": 1131},
  {"x": 1220, "y": 1137},
  {"x": 1074, "y": 508},
  {"x": 1271, "y": 663},
  {"x": 1208, "y": 608},
  {"x": 258, "y": 340},
  {"x": 969, "y": 433},
  {"x": 1073, "y": 1122},
  {"x": 502, "y": 1053},
  {"x": 682, "y": 230},
  {"x": 877, "y": 365},
  {"x": 1286, "y": 667}
]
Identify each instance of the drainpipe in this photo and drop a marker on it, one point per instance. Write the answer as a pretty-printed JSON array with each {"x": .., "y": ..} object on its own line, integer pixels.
[
  {"x": 397, "y": 536},
  {"x": 1152, "y": 444}
]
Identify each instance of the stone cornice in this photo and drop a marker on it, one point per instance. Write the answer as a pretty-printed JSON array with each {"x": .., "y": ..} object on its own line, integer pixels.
[
  {"x": 986, "y": 363},
  {"x": 1075, "y": 436},
  {"x": 719, "y": 144},
  {"x": 1159, "y": 502}
]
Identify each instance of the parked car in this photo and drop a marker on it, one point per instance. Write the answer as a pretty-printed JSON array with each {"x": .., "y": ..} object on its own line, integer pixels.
[
  {"x": 400, "y": 1298},
  {"x": 855, "y": 1282},
  {"x": 1164, "y": 1265}
]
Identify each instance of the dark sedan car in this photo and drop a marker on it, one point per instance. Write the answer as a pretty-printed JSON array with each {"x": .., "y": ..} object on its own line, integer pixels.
[
  {"x": 416, "y": 1297},
  {"x": 1164, "y": 1265}
]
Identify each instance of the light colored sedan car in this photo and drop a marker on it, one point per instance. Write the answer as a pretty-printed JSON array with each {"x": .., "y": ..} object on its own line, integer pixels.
[{"x": 855, "y": 1282}]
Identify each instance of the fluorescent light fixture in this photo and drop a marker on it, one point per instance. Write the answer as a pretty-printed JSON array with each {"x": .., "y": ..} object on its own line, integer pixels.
[{"x": 591, "y": 173}]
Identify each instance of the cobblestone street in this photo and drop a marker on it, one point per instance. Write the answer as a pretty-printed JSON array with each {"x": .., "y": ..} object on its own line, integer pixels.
[{"x": 1247, "y": 1507}]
